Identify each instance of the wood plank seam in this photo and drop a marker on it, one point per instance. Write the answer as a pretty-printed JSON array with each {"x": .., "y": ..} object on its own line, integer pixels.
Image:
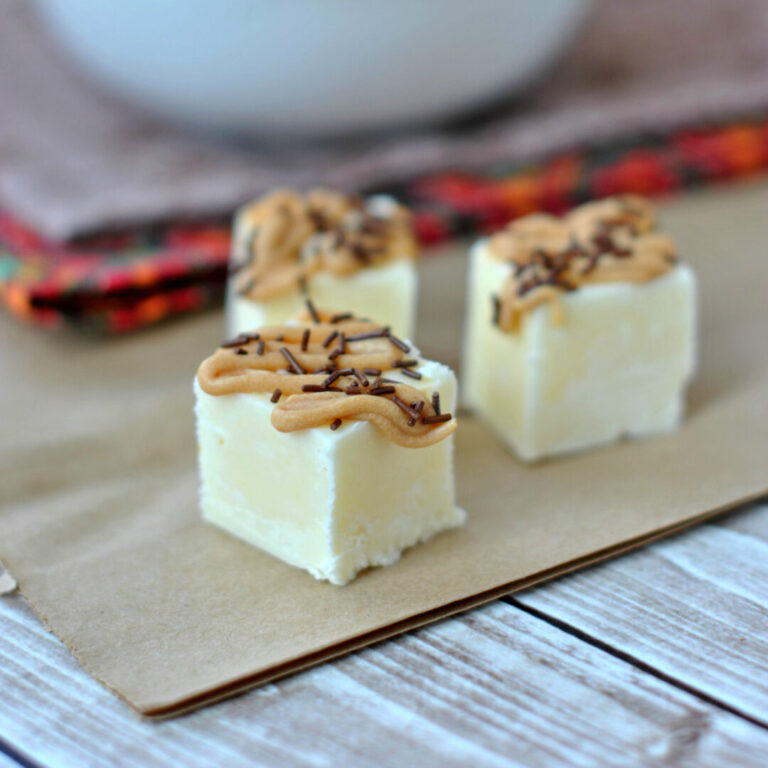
[
  {"x": 694, "y": 607},
  {"x": 18, "y": 757},
  {"x": 635, "y": 662},
  {"x": 469, "y": 669}
]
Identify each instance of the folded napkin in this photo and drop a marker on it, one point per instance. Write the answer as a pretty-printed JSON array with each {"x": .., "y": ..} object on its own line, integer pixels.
[{"x": 654, "y": 96}]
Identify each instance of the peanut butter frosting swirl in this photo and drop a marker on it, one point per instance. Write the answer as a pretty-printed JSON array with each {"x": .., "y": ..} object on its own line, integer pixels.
[
  {"x": 608, "y": 241},
  {"x": 328, "y": 369},
  {"x": 284, "y": 237}
]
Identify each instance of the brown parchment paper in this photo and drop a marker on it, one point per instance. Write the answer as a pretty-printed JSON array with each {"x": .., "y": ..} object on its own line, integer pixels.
[{"x": 99, "y": 521}]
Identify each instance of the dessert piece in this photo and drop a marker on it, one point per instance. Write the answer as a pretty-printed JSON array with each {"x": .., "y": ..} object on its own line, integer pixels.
[
  {"x": 579, "y": 330},
  {"x": 327, "y": 443},
  {"x": 343, "y": 252}
]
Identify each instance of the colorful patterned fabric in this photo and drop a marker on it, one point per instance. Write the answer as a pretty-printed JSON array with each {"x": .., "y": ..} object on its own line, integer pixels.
[{"x": 121, "y": 281}]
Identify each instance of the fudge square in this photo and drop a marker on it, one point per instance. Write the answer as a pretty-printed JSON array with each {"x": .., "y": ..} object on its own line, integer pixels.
[
  {"x": 580, "y": 330},
  {"x": 343, "y": 252},
  {"x": 327, "y": 443}
]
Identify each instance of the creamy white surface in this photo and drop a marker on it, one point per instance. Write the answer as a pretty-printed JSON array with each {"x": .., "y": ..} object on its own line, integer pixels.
[
  {"x": 617, "y": 366},
  {"x": 386, "y": 293},
  {"x": 332, "y": 503}
]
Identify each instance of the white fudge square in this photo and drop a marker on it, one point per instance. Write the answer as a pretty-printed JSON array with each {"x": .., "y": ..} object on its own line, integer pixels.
[
  {"x": 369, "y": 273},
  {"x": 615, "y": 365},
  {"x": 333, "y": 502},
  {"x": 387, "y": 292}
]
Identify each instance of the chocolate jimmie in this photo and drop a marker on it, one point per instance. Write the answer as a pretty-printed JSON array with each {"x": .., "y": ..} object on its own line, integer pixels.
[
  {"x": 605, "y": 242},
  {"x": 343, "y": 251},
  {"x": 291, "y": 236},
  {"x": 300, "y": 365}
]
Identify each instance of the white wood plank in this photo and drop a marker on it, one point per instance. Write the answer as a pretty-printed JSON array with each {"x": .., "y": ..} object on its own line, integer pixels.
[
  {"x": 749, "y": 520},
  {"x": 7, "y": 582},
  {"x": 6, "y": 762},
  {"x": 694, "y": 607},
  {"x": 495, "y": 687}
]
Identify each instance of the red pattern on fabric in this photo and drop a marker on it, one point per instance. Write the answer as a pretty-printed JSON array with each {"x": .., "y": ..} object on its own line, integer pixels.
[{"x": 121, "y": 281}]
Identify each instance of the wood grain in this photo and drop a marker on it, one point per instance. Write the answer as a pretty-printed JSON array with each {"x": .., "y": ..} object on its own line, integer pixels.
[
  {"x": 495, "y": 687},
  {"x": 694, "y": 607},
  {"x": 750, "y": 520}
]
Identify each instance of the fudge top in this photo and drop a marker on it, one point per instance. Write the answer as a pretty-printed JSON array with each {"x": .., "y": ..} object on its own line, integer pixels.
[
  {"x": 284, "y": 237},
  {"x": 611, "y": 240},
  {"x": 327, "y": 368}
]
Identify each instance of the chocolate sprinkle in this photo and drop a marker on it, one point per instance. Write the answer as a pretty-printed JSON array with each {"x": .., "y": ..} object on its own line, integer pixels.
[
  {"x": 275, "y": 395},
  {"x": 496, "y": 302},
  {"x": 241, "y": 351},
  {"x": 312, "y": 311},
  {"x": 438, "y": 418},
  {"x": 342, "y": 316},
  {"x": 368, "y": 335},
  {"x": 360, "y": 252},
  {"x": 360, "y": 376},
  {"x": 436, "y": 402},
  {"x": 336, "y": 375},
  {"x": 404, "y": 363},
  {"x": 341, "y": 349},
  {"x": 330, "y": 379},
  {"x": 305, "y": 339},
  {"x": 388, "y": 390},
  {"x": 335, "y": 424},
  {"x": 319, "y": 222},
  {"x": 549, "y": 268},
  {"x": 529, "y": 285},
  {"x": 401, "y": 345},
  {"x": 329, "y": 340},
  {"x": 418, "y": 407},
  {"x": 239, "y": 340},
  {"x": 412, "y": 374},
  {"x": 293, "y": 364},
  {"x": 372, "y": 371},
  {"x": 591, "y": 264},
  {"x": 260, "y": 347},
  {"x": 604, "y": 242},
  {"x": 405, "y": 408}
]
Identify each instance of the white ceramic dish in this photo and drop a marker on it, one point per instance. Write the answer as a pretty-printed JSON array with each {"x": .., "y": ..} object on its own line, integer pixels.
[{"x": 312, "y": 67}]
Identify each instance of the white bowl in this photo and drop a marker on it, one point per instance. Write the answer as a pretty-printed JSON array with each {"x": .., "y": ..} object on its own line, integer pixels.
[{"x": 312, "y": 67}]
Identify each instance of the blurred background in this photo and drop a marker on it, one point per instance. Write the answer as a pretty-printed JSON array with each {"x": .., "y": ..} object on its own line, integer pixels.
[{"x": 131, "y": 131}]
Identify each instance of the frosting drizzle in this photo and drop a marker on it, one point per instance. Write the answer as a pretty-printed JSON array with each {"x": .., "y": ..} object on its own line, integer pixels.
[
  {"x": 283, "y": 238},
  {"x": 323, "y": 373},
  {"x": 611, "y": 240}
]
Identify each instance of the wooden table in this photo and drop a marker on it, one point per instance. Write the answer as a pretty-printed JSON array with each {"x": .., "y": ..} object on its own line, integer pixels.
[{"x": 657, "y": 658}]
